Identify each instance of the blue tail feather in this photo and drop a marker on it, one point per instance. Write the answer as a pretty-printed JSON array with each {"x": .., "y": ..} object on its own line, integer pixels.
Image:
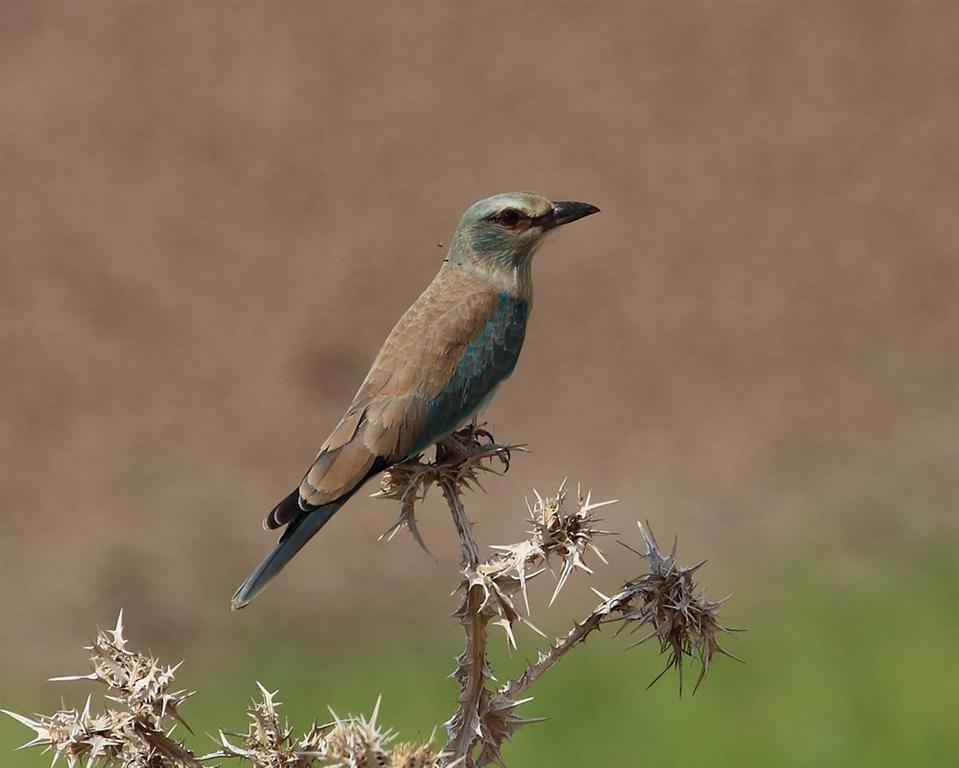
[{"x": 297, "y": 533}]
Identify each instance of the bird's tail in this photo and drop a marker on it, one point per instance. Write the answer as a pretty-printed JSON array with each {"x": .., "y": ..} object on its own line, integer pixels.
[{"x": 297, "y": 533}]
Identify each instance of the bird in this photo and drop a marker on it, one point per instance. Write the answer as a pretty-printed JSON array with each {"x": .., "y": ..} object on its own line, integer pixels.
[{"x": 440, "y": 365}]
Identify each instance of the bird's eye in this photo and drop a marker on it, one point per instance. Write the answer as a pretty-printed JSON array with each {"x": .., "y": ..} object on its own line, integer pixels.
[{"x": 508, "y": 218}]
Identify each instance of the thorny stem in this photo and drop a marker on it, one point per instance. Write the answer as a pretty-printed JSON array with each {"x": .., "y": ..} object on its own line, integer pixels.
[
  {"x": 464, "y": 726},
  {"x": 463, "y": 526},
  {"x": 546, "y": 661}
]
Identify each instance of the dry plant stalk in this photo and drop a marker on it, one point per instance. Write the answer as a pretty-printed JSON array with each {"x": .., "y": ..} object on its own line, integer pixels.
[{"x": 665, "y": 602}]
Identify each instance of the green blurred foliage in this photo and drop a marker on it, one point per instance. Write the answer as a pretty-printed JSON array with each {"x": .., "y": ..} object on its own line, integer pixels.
[{"x": 839, "y": 671}]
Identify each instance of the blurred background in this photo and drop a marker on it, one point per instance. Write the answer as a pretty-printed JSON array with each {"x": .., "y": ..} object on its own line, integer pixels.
[{"x": 213, "y": 213}]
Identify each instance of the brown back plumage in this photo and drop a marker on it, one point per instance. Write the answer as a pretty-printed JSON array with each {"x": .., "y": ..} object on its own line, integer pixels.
[{"x": 387, "y": 416}]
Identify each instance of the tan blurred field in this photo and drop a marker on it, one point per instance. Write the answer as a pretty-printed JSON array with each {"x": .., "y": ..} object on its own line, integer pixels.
[{"x": 212, "y": 214}]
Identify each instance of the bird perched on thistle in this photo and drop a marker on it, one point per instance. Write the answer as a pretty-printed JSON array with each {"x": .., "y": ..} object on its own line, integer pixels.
[{"x": 439, "y": 366}]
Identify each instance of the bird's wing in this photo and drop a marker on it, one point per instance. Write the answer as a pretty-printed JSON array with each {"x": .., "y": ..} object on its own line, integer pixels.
[{"x": 443, "y": 358}]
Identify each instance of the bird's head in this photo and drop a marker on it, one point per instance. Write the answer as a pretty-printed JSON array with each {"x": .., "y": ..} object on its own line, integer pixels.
[{"x": 504, "y": 231}]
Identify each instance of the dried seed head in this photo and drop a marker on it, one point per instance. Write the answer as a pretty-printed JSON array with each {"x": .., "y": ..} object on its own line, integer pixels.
[
  {"x": 415, "y": 756},
  {"x": 351, "y": 742},
  {"x": 137, "y": 734},
  {"x": 498, "y": 722},
  {"x": 555, "y": 533},
  {"x": 358, "y": 742},
  {"x": 458, "y": 463},
  {"x": 268, "y": 743},
  {"x": 668, "y": 602},
  {"x": 567, "y": 535}
]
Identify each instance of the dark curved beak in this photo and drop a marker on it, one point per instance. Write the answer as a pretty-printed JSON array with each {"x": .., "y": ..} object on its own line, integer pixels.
[{"x": 566, "y": 211}]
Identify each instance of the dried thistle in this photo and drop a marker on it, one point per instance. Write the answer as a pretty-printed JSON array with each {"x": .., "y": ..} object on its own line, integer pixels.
[
  {"x": 407, "y": 755},
  {"x": 458, "y": 463},
  {"x": 555, "y": 533},
  {"x": 668, "y": 600},
  {"x": 665, "y": 600},
  {"x": 351, "y": 742},
  {"x": 138, "y": 734},
  {"x": 268, "y": 743},
  {"x": 134, "y": 737}
]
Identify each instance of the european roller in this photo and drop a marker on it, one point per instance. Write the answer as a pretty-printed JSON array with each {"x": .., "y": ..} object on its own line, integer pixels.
[{"x": 439, "y": 366}]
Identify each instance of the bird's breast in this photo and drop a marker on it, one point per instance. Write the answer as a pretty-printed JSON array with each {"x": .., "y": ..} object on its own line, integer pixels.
[{"x": 488, "y": 358}]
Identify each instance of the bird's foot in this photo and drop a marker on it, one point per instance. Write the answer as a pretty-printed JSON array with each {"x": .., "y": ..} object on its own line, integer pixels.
[{"x": 471, "y": 444}]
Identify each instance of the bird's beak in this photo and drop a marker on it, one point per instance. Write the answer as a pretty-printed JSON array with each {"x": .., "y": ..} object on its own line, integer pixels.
[{"x": 565, "y": 211}]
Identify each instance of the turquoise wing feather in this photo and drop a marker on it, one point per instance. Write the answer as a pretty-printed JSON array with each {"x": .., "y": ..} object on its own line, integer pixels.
[{"x": 488, "y": 360}]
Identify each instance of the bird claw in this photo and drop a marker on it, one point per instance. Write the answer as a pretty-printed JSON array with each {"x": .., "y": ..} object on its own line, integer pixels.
[{"x": 473, "y": 441}]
